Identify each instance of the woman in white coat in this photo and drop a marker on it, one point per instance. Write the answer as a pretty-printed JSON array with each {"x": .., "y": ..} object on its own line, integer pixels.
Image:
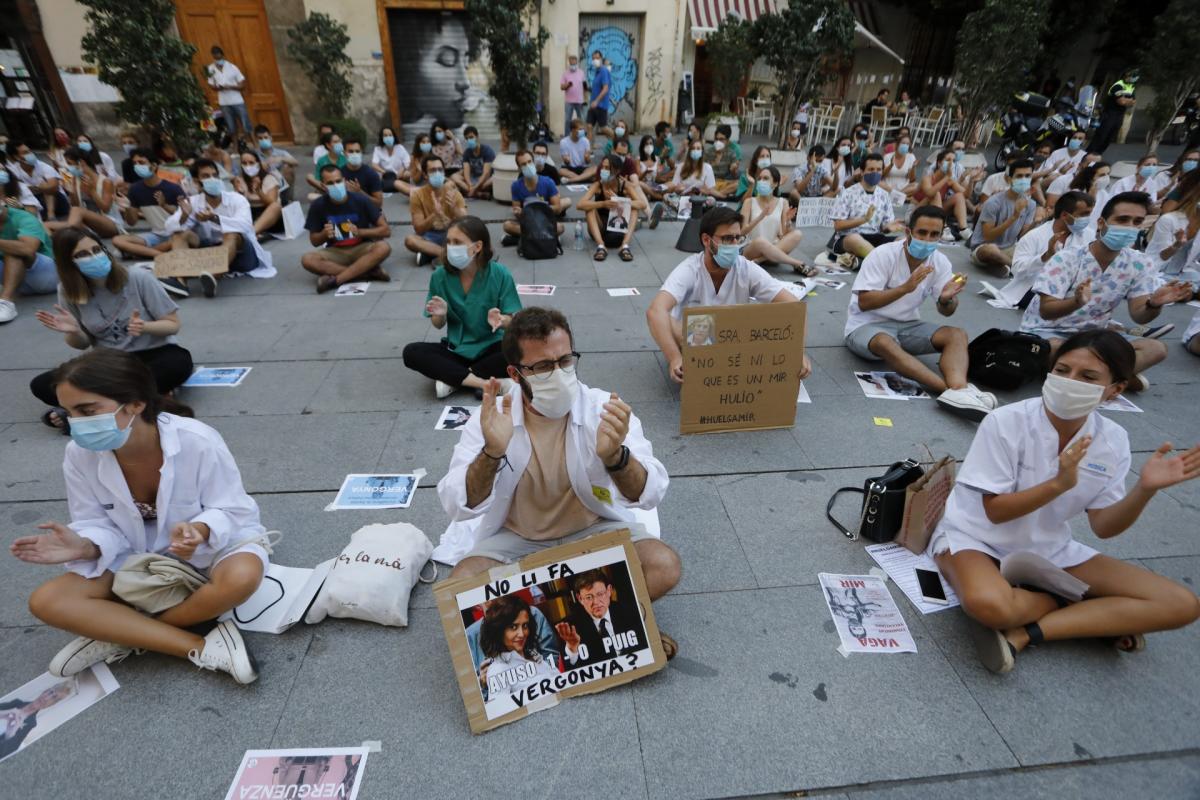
[
  {"x": 1033, "y": 466},
  {"x": 143, "y": 480}
]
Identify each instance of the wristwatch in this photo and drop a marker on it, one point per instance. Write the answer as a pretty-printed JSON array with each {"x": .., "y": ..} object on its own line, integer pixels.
[{"x": 622, "y": 462}]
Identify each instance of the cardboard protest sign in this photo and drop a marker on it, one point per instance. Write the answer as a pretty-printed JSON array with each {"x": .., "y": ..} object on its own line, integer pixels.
[
  {"x": 305, "y": 772},
  {"x": 813, "y": 212},
  {"x": 191, "y": 263},
  {"x": 741, "y": 367},
  {"x": 582, "y": 621}
]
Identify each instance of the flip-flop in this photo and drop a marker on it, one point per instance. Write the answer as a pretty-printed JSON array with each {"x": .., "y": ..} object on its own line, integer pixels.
[
  {"x": 626, "y": 254},
  {"x": 65, "y": 428},
  {"x": 994, "y": 650},
  {"x": 1137, "y": 639},
  {"x": 806, "y": 271},
  {"x": 600, "y": 254}
]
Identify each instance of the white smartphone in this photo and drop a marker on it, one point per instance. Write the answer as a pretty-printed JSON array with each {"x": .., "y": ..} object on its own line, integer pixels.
[{"x": 931, "y": 586}]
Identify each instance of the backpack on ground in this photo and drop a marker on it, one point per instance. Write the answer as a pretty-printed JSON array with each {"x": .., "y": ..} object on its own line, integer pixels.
[
  {"x": 539, "y": 233},
  {"x": 1007, "y": 359}
]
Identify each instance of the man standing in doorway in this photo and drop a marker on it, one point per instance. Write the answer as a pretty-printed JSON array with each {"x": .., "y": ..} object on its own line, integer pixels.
[
  {"x": 597, "y": 115},
  {"x": 1116, "y": 102},
  {"x": 228, "y": 80}
]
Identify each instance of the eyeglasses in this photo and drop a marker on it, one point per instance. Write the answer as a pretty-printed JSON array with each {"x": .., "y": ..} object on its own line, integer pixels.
[
  {"x": 586, "y": 599},
  {"x": 542, "y": 370},
  {"x": 739, "y": 240}
]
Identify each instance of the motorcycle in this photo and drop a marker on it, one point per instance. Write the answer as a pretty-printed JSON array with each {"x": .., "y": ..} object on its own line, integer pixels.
[{"x": 1028, "y": 123}]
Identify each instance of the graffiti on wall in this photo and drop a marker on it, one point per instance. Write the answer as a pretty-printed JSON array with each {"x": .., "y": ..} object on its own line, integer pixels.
[{"x": 617, "y": 47}]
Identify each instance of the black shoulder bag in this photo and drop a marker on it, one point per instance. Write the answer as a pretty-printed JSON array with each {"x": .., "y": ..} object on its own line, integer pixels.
[{"x": 883, "y": 502}]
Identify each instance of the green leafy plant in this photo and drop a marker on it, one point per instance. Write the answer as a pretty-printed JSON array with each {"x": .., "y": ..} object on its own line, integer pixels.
[
  {"x": 995, "y": 45},
  {"x": 730, "y": 55},
  {"x": 1170, "y": 63},
  {"x": 349, "y": 127},
  {"x": 803, "y": 44},
  {"x": 319, "y": 45},
  {"x": 515, "y": 56},
  {"x": 136, "y": 53}
]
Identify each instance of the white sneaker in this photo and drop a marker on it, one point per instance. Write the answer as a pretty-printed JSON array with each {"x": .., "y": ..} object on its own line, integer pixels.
[
  {"x": 947, "y": 234},
  {"x": 224, "y": 651},
  {"x": 1140, "y": 383},
  {"x": 443, "y": 390},
  {"x": 964, "y": 234},
  {"x": 8, "y": 311},
  {"x": 986, "y": 397},
  {"x": 966, "y": 403},
  {"x": 83, "y": 652}
]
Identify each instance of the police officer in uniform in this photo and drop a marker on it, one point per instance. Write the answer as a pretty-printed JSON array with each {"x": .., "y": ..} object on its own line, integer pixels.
[{"x": 1118, "y": 99}]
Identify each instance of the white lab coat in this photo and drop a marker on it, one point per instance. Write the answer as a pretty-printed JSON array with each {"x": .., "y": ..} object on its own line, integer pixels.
[
  {"x": 1027, "y": 261},
  {"x": 199, "y": 483},
  {"x": 593, "y": 485},
  {"x": 1185, "y": 264},
  {"x": 233, "y": 216}
]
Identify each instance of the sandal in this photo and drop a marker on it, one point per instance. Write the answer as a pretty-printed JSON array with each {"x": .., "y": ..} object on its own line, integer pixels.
[
  {"x": 1133, "y": 643},
  {"x": 995, "y": 651},
  {"x": 48, "y": 420},
  {"x": 600, "y": 254},
  {"x": 806, "y": 270},
  {"x": 626, "y": 254}
]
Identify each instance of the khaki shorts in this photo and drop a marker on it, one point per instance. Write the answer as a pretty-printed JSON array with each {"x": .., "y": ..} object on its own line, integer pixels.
[
  {"x": 346, "y": 255},
  {"x": 507, "y": 546},
  {"x": 1008, "y": 251}
]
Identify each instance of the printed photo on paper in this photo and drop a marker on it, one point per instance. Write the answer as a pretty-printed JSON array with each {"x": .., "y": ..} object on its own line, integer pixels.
[
  {"x": 866, "y": 617},
  {"x": 701, "y": 328},
  {"x": 543, "y": 289},
  {"x": 47, "y": 702},
  {"x": 375, "y": 491},
  {"x": 618, "y": 218},
  {"x": 317, "y": 772},
  {"x": 455, "y": 418},
  {"x": 352, "y": 289},
  {"x": 890, "y": 386},
  {"x": 217, "y": 376}
]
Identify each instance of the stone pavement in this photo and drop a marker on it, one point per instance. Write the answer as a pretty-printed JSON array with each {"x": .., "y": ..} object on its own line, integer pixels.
[{"x": 758, "y": 702}]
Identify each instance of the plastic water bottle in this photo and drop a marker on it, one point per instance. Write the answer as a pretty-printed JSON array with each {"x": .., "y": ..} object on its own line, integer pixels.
[{"x": 579, "y": 234}]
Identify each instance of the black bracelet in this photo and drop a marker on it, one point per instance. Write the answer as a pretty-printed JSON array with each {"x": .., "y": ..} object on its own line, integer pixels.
[
  {"x": 484, "y": 451},
  {"x": 622, "y": 462}
]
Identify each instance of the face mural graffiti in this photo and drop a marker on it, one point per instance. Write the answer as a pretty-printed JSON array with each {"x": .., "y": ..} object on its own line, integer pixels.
[{"x": 618, "y": 47}]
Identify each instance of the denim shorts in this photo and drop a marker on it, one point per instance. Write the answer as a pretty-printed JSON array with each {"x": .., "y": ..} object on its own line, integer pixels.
[{"x": 40, "y": 277}]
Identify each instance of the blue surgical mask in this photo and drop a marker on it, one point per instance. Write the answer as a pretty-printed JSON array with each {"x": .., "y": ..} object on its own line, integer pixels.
[
  {"x": 458, "y": 255},
  {"x": 3, "y": 177},
  {"x": 1078, "y": 226},
  {"x": 902, "y": 149},
  {"x": 95, "y": 267},
  {"x": 30, "y": 159},
  {"x": 264, "y": 144},
  {"x": 1188, "y": 165},
  {"x": 844, "y": 150},
  {"x": 336, "y": 191},
  {"x": 212, "y": 186},
  {"x": 128, "y": 148},
  {"x": 339, "y": 148},
  {"x": 99, "y": 432},
  {"x": 1021, "y": 185},
  {"x": 763, "y": 163},
  {"x": 1147, "y": 171},
  {"x": 354, "y": 159},
  {"x": 426, "y": 147},
  {"x": 389, "y": 141},
  {"x": 85, "y": 146},
  {"x": 75, "y": 171},
  {"x": 872, "y": 178},
  {"x": 619, "y": 131},
  {"x": 1118, "y": 237},
  {"x": 471, "y": 143},
  {"x": 958, "y": 155},
  {"x": 696, "y": 154},
  {"x": 220, "y": 62},
  {"x": 437, "y": 179},
  {"x": 764, "y": 188},
  {"x": 727, "y": 255},
  {"x": 921, "y": 250},
  {"x": 529, "y": 170},
  {"x": 605, "y": 174},
  {"x": 1074, "y": 144},
  {"x": 439, "y": 136},
  {"x": 142, "y": 170}
]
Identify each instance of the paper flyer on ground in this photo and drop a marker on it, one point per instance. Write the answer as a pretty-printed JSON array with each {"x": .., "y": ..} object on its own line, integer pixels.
[
  {"x": 901, "y": 565},
  {"x": 47, "y": 702},
  {"x": 890, "y": 386},
  {"x": 352, "y": 289},
  {"x": 455, "y": 418},
  {"x": 803, "y": 396},
  {"x": 866, "y": 617},
  {"x": 375, "y": 491},
  {"x": 543, "y": 289},
  {"x": 1120, "y": 403},
  {"x": 217, "y": 376},
  {"x": 303, "y": 773},
  {"x": 629, "y": 292}
]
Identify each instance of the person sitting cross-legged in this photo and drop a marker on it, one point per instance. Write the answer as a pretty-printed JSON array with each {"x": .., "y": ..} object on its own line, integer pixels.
[
  {"x": 603, "y": 199},
  {"x": 883, "y": 322},
  {"x": 475, "y": 178},
  {"x": 531, "y": 188},
  {"x": 434, "y": 206},
  {"x": 862, "y": 215},
  {"x": 1003, "y": 220},
  {"x": 553, "y": 462},
  {"x": 351, "y": 232}
]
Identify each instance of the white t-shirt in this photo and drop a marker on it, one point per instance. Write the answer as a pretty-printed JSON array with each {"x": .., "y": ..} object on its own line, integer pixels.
[
  {"x": 1062, "y": 156},
  {"x": 1016, "y": 448},
  {"x": 397, "y": 161},
  {"x": 897, "y": 179},
  {"x": 319, "y": 152},
  {"x": 690, "y": 285},
  {"x": 1061, "y": 185},
  {"x": 886, "y": 268},
  {"x": 1186, "y": 257},
  {"x": 707, "y": 179},
  {"x": 996, "y": 182},
  {"x": 1027, "y": 259},
  {"x": 227, "y": 75},
  {"x": 42, "y": 172},
  {"x": 1129, "y": 184}
]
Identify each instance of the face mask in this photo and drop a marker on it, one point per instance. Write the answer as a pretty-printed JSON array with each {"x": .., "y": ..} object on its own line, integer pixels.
[
  {"x": 250, "y": 170},
  {"x": 795, "y": 133},
  {"x": 529, "y": 170},
  {"x": 220, "y": 62},
  {"x": 1118, "y": 237},
  {"x": 264, "y": 144},
  {"x": 100, "y": 432},
  {"x": 921, "y": 250},
  {"x": 3, "y": 147},
  {"x": 426, "y": 147},
  {"x": 128, "y": 148},
  {"x": 648, "y": 150},
  {"x": 1021, "y": 185},
  {"x": 958, "y": 155},
  {"x": 596, "y": 63},
  {"x": 691, "y": 135},
  {"x": 1101, "y": 182},
  {"x": 947, "y": 166},
  {"x": 354, "y": 159},
  {"x": 902, "y": 149},
  {"x": 605, "y": 175},
  {"x": 574, "y": 68},
  {"x": 212, "y": 186},
  {"x": 389, "y": 141},
  {"x": 336, "y": 191},
  {"x": 458, "y": 255},
  {"x": 619, "y": 132},
  {"x": 862, "y": 144},
  {"x": 29, "y": 158},
  {"x": 539, "y": 161},
  {"x": 727, "y": 255},
  {"x": 439, "y": 137},
  {"x": 339, "y": 148},
  {"x": 142, "y": 170},
  {"x": 61, "y": 139},
  {"x": 95, "y": 267},
  {"x": 1074, "y": 144},
  {"x": 718, "y": 145},
  {"x": 1189, "y": 165},
  {"x": 696, "y": 154},
  {"x": 75, "y": 172},
  {"x": 765, "y": 188},
  {"x": 763, "y": 163},
  {"x": 3, "y": 177},
  {"x": 1147, "y": 171},
  {"x": 1078, "y": 226},
  {"x": 844, "y": 150},
  {"x": 437, "y": 179},
  {"x": 554, "y": 396},
  {"x": 85, "y": 146},
  {"x": 1066, "y": 398},
  {"x": 471, "y": 144},
  {"x": 872, "y": 178}
]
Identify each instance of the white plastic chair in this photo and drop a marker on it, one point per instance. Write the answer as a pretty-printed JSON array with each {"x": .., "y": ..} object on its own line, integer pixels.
[{"x": 927, "y": 127}]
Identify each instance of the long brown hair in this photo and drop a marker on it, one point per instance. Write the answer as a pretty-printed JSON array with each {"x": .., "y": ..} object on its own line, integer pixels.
[
  {"x": 119, "y": 376},
  {"x": 76, "y": 288},
  {"x": 475, "y": 230}
]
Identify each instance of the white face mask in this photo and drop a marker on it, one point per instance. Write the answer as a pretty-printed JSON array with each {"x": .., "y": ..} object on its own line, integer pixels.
[
  {"x": 1066, "y": 398},
  {"x": 554, "y": 396}
]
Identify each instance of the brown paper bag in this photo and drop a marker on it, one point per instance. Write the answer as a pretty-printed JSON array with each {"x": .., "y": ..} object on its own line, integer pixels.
[{"x": 924, "y": 503}]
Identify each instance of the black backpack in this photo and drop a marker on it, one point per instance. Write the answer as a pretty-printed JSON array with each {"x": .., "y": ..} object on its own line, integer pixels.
[
  {"x": 539, "y": 233},
  {"x": 1006, "y": 359}
]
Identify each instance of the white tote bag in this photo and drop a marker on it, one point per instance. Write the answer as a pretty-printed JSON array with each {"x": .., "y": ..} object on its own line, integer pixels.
[
  {"x": 293, "y": 221},
  {"x": 374, "y": 575}
]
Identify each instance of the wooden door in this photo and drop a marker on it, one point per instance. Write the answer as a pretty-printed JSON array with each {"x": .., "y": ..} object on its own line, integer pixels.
[{"x": 240, "y": 27}]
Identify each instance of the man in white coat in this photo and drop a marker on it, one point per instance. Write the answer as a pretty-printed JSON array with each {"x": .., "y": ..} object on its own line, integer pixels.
[
  {"x": 554, "y": 461},
  {"x": 1071, "y": 227}
]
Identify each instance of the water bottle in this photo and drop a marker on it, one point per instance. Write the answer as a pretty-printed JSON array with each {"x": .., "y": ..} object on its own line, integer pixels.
[{"x": 579, "y": 234}]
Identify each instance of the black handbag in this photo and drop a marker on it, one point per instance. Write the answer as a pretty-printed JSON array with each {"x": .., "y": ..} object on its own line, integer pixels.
[{"x": 883, "y": 502}]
